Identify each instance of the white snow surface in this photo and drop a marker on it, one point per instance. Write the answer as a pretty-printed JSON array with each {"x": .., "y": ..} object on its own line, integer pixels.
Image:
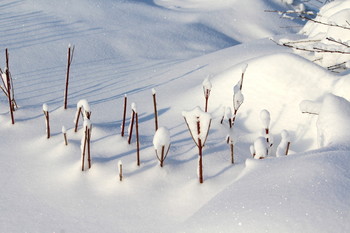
[{"x": 131, "y": 46}]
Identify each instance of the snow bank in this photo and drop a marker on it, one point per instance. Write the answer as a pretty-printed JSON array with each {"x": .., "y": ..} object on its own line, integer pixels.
[{"x": 333, "y": 124}]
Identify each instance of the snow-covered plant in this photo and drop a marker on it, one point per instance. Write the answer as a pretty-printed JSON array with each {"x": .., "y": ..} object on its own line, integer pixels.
[
  {"x": 7, "y": 87},
  {"x": 120, "y": 170},
  {"x": 155, "y": 108},
  {"x": 47, "y": 119},
  {"x": 132, "y": 120},
  {"x": 261, "y": 148},
  {"x": 328, "y": 35},
  {"x": 64, "y": 132},
  {"x": 252, "y": 150},
  {"x": 124, "y": 115},
  {"x": 69, "y": 62},
  {"x": 206, "y": 91},
  {"x": 85, "y": 144},
  {"x": 265, "y": 120},
  {"x": 198, "y": 123},
  {"x": 283, "y": 147},
  {"x": 161, "y": 143},
  {"x": 84, "y": 108}
]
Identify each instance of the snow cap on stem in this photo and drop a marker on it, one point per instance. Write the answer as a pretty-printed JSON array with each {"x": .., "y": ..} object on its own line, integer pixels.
[
  {"x": 64, "y": 130},
  {"x": 207, "y": 84},
  {"x": 161, "y": 138},
  {"x": 83, "y": 104},
  {"x": 45, "y": 108},
  {"x": 194, "y": 116},
  {"x": 133, "y": 107},
  {"x": 153, "y": 91},
  {"x": 265, "y": 118},
  {"x": 260, "y": 148},
  {"x": 244, "y": 67}
]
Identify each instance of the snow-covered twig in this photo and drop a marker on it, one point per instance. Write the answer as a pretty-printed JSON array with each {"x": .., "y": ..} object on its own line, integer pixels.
[
  {"x": 206, "y": 91},
  {"x": 64, "y": 132},
  {"x": 161, "y": 143},
  {"x": 47, "y": 119}
]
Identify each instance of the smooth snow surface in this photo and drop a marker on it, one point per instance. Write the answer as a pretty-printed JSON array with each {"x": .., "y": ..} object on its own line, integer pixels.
[{"x": 132, "y": 48}]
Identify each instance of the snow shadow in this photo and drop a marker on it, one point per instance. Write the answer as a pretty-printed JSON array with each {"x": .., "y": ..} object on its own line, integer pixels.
[{"x": 22, "y": 29}]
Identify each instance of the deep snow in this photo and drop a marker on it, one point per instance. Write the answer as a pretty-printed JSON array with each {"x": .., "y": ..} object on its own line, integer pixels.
[{"x": 134, "y": 47}]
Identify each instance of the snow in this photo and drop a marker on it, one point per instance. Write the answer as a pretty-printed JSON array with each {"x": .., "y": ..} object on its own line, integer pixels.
[
  {"x": 285, "y": 141},
  {"x": 45, "y": 108},
  {"x": 131, "y": 47},
  {"x": 192, "y": 118},
  {"x": 64, "y": 130},
  {"x": 265, "y": 118},
  {"x": 161, "y": 138},
  {"x": 260, "y": 148},
  {"x": 207, "y": 84}
]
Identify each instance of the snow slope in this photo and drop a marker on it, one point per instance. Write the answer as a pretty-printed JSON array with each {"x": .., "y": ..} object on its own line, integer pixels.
[{"x": 130, "y": 47}]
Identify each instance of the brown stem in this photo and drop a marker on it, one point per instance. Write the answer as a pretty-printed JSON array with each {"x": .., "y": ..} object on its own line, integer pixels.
[
  {"x": 155, "y": 112},
  {"x": 287, "y": 149},
  {"x": 65, "y": 139},
  {"x": 232, "y": 153},
  {"x": 137, "y": 141},
  {"x": 121, "y": 172},
  {"x": 9, "y": 86},
  {"x": 131, "y": 127},
  {"x": 47, "y": 119},
  {"x": 69, "y": 61},
  {"x": 162, "y": 157},
  {"x": 83, "y": 156},
  {"x": 124, "y": 115},
  {"x": 200, "y": 151},
  {"x": 77, "y": 120},
  {"x": 88, "y": 136}
]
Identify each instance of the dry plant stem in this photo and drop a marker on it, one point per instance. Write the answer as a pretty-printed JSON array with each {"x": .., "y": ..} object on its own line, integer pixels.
[
  {"x": 120, "y": 172},
  {"x": 232, "y": 153},
  {"x": 65, "y": 139},
  {"x": 206, "y": 99},
  {"x": 9, "y": 86},
  {"x": 124, "y": 116},
  {"x": 47, "y": 120},
  {"x": 83, "y": 156},
  {"x": 69, "y": 61},
  {"x": 137, "y": 141},
  {"x": 200, "y": 151},
  {"x": 267, "y": 135},
  {"x": 162, "y": 157},
  {"x": 155, "y": 112},
  {"x": 77, "y": 120},
  {"x": 131, "y": 127},
  {"x": 88, "y": 137},
  {"x": 287, "y": 149}
]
